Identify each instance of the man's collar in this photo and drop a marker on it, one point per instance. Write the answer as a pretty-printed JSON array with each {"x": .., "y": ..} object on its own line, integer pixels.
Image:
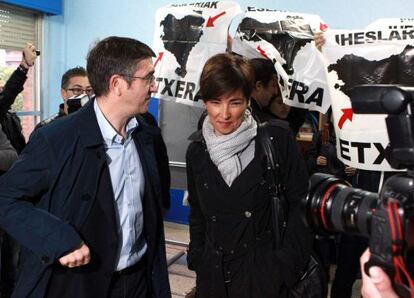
[{"x": 109, "y": 134}]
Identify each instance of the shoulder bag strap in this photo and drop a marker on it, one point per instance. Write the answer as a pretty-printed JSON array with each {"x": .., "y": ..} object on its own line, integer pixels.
[{"x": 277, "y": 196}]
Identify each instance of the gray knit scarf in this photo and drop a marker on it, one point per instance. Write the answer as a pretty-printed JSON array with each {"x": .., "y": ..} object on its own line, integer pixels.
[{"x": 233, "y": 152}]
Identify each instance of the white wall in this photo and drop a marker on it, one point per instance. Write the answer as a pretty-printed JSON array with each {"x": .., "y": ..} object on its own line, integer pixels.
[{"x": 68, "y": 37}]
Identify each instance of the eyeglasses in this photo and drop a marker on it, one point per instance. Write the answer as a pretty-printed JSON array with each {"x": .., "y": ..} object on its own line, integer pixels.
[
  {"x": 150, "y": 79},
  {"x": 79, "y": 91}
]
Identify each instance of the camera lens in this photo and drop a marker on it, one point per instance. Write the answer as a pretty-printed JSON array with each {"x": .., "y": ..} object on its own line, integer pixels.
[{"x": 333, "y": 206}]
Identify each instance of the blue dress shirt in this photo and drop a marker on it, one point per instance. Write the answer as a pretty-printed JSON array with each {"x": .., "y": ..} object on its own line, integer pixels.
[{"x": 128, "y": 186}]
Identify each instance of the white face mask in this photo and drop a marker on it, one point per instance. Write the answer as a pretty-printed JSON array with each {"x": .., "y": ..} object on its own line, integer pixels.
[{"x": 77, "y": 101}]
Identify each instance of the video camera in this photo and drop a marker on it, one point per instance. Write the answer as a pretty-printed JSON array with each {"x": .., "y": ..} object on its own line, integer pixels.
[{"x": 386, "y": 219}]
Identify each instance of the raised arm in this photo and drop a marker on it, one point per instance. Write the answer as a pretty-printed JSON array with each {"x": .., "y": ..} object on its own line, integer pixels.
[{"x": 14, "y": 84}]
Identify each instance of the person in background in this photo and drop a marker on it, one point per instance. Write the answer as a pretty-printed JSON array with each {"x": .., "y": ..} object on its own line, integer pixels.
[
  {"x": 12, "y": 129},
  {"x": 9, "y": 121},
  {"x": 279, "y": 109},
  {"x": 9, "y": 250},
  {"x": 83, "y": 200},
  {"x": 231, "y": 239},
  {"x": 7, "y": 153},
  {"x": 265, "y": 89},
  {"x": 266, "y": 102},
  {"x": 294, "y": 116},
  {"x": 74, "y": 83},
  {"x": 322, "y": 155}
]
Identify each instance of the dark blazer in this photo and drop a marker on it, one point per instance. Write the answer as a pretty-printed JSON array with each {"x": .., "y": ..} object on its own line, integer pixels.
[
  {"x": 162, "y": 161},
  {"x": 231, "y": 239},
  {"x": 59, "y": 191}
]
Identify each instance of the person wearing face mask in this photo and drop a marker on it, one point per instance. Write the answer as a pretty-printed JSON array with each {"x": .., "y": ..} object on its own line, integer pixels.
[
  {"x": 232, "y": 248},
  {"x": 74, "y": 83}
]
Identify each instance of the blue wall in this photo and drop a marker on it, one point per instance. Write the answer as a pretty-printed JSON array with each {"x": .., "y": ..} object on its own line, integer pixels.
[{"x": 67, "y": 37}]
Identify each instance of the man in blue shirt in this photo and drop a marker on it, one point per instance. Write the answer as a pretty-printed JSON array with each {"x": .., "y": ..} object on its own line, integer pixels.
[{"x": 84, "y": 199}]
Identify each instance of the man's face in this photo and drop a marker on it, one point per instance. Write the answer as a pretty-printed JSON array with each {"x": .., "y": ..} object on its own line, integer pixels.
[
  {"x": 266, "y": 94},
  {"x": 77, "y": 85},
  {"x": 136, "y": 97},
  {"x": 280, "y": 109}
]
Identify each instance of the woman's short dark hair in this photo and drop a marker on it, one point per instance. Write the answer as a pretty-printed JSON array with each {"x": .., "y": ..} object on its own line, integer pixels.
[
  {"x": 226, "y": 73},
  {"x": 114, "y": 55}
]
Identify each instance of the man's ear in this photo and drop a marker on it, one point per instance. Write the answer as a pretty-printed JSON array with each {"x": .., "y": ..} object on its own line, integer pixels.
[
  {"x": 63, "y": 93},
  {"x": 116, "y": 83},
  {"x": 259, "y": 85}
]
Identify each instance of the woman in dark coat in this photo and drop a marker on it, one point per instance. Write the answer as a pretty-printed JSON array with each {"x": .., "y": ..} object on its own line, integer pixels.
[{"x": 231, "y": 239}]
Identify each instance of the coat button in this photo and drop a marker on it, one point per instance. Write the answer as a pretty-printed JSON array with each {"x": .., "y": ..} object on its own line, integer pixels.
[
  {"x": 213, "y": 218},
  {"x": 45, "y": 260},
  {"x": 247, "y": 214},
  {"x": 205, "y": 185}
]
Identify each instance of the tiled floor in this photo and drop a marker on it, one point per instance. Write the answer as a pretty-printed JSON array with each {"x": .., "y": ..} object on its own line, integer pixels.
[{"x": 181, "y": 279}]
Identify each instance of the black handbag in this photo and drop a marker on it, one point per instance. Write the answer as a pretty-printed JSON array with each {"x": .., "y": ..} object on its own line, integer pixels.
[{"x": 312, "y": 283}]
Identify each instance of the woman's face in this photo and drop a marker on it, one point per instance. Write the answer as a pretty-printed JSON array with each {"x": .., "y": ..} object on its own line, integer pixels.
[
  {"x": 280, "y": 109},
  {"x": 226, "y": 113}
]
